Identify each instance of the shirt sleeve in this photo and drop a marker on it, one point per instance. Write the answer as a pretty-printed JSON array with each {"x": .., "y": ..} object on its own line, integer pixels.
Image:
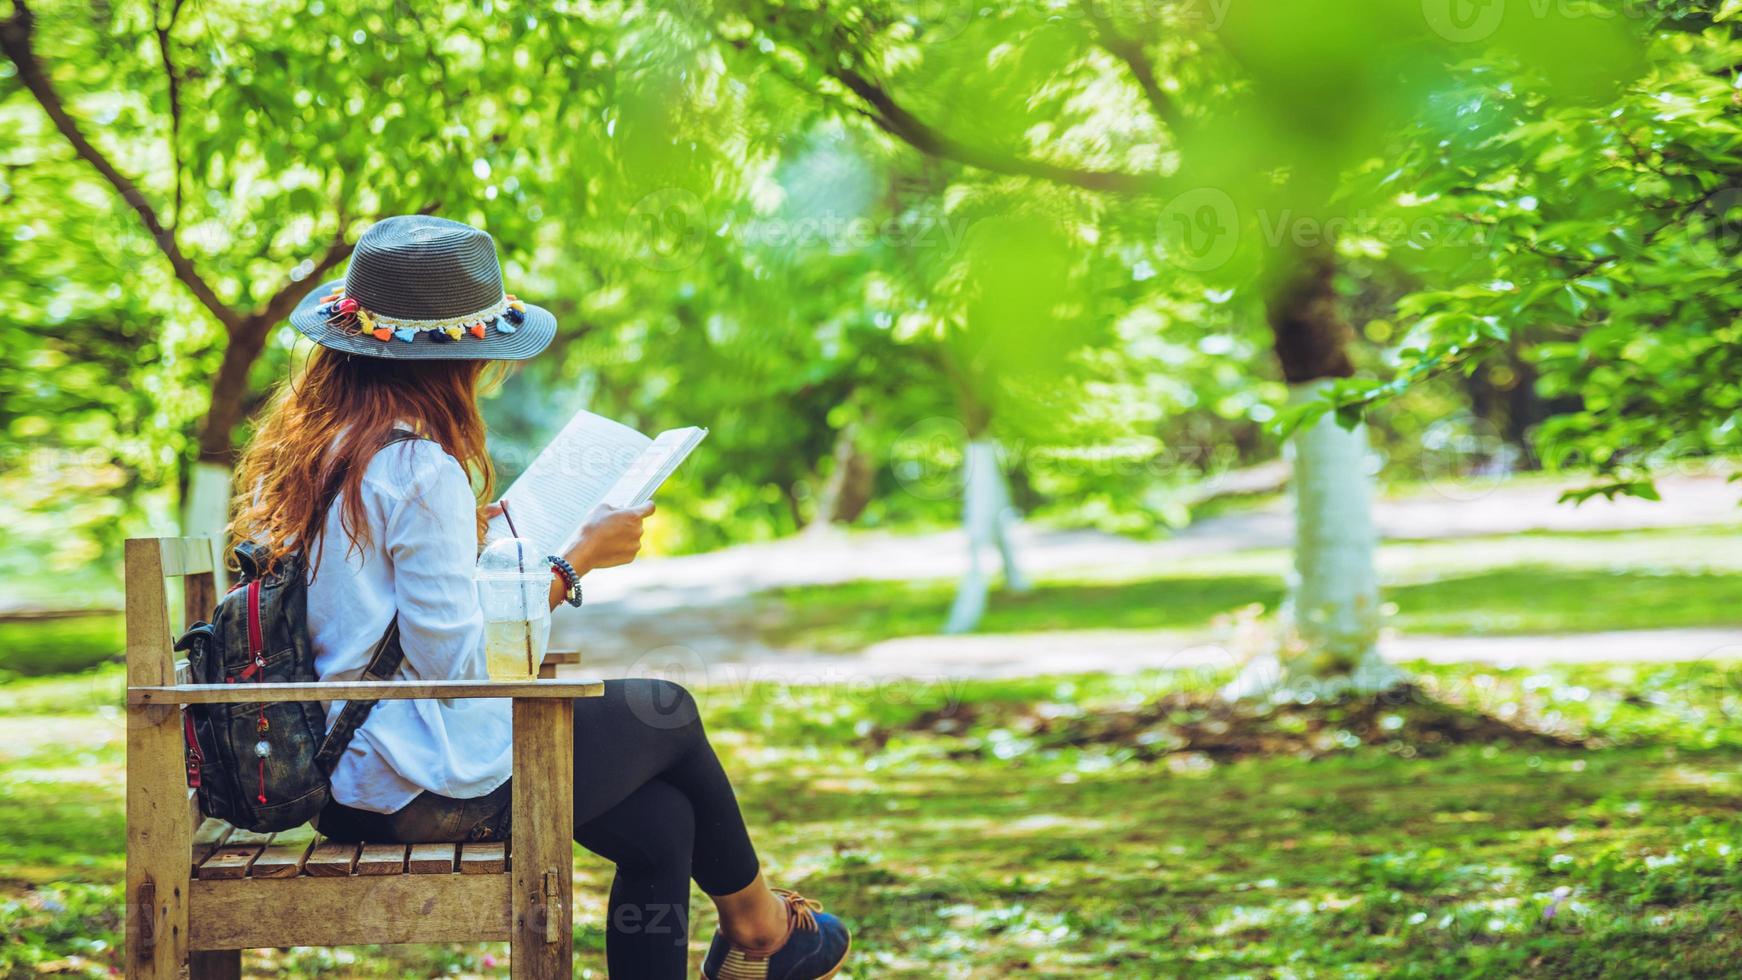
[{"x": 431, "y": 540}]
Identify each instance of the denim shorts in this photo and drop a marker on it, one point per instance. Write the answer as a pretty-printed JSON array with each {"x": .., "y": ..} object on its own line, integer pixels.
[{"x": 427, "y": 819}]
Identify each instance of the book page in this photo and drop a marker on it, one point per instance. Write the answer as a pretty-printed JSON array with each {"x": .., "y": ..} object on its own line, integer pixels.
[
  {"x": 573, "y": 474},
  {"x": 658, "y": 461}
]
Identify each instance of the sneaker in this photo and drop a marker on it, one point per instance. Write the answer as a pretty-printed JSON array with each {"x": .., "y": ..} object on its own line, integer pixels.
[{"x": 815, "y": 946}]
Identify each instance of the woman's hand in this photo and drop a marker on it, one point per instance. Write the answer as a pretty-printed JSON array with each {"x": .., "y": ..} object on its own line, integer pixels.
[{"x": 611, "y": 536}]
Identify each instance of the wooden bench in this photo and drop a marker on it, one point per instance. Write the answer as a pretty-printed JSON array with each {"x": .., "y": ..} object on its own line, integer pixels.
[{"x": 199, "y": 891}]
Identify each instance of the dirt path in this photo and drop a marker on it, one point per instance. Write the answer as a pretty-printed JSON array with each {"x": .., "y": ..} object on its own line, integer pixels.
[
  {"x": 812, "y": 559},
  {"x": 934, "y": 658},
  {"x": 696, "y": 610}
]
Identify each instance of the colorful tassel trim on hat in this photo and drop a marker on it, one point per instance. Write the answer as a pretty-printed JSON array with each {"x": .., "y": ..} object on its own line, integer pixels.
[{"x": 506, "y": 316}]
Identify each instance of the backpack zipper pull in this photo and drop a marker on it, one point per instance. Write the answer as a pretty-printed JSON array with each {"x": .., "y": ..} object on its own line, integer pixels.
[
  {"x": 195, "y": 758},
  {"x": 253, "y": 669},
  {"x": 262, "y": 749}
]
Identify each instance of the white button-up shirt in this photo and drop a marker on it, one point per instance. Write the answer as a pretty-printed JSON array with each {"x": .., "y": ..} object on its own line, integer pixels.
[{"x": 423, "y": 548}]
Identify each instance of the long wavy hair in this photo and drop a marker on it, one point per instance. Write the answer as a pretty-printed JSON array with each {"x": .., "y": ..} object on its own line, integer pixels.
[{"x": 326, "y": 422}]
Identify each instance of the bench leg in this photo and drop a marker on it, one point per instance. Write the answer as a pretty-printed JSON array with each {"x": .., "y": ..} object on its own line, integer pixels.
[
  {"x": 542, "y": 941},
  {"x": 217, "y": 964},
  {"x": 159, "y": 840}
]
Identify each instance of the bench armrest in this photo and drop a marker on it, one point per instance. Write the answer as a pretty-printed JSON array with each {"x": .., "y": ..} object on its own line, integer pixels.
[{"x": 361, "y": 691}]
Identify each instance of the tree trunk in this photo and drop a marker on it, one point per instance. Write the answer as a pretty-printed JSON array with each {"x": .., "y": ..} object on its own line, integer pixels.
[
  {"x": 206, "y": 509},
  {"x": 1503, "y": 393},
  {"x": 1330, "y": 637},
  {"x": 848, "y": 489},
  {"x": 230, "y": 391},
  {"x": 989, "y": 519}
]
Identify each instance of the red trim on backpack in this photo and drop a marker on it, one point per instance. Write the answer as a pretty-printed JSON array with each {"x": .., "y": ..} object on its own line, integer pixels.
[
  {"x": 195, "y": 758},
  {"x": 254, "y": 640},
  {"x": 256, "y": 647},
  {"x": 256, "y": 643}
]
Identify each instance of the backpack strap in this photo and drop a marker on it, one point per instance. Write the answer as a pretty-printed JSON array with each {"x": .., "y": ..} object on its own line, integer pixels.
[
  {"x": 384, "y": 661},
  {"x": 331, "y": 493}
]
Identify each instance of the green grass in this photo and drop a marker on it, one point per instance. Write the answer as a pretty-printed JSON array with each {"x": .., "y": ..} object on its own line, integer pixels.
[
  {"x": 856, "y": 614},
  {"x": 987, "y": 853},
  {"x": 1535, "y": 599},
  {"x": 1512, "y": 600},
  {"x": 35, "y": 647}
]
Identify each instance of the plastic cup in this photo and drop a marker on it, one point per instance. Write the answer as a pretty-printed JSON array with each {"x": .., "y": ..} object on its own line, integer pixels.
[{"x": 514, "y": 593}]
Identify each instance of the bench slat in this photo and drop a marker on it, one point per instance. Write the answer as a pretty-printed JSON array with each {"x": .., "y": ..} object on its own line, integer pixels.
[
  {"x": 381, "y": 859},
  {"x": 284, "y": 858},
  {"x": 307, "y": 911},
  {"x": 331, "y": 859},
  {"x": 235, "y": 857},
  {"x": 483, "y": 859},
  {"x": 431, "y": 859},
  {"x": 207, "y": 838},
  {"x": 273, "y": 692}
]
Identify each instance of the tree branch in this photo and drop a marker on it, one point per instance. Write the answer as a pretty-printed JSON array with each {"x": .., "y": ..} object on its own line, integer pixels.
[
  {"x": 174, "y": 79},
  {"x": 905, "y": 126},
  {"x": 1130, "y": 51},
  {"x": 247, "y": 340},
  {"x": 279, "y": 305},
  {"x": 15, "y": 40},
  {"x": 888, "y": 115}
]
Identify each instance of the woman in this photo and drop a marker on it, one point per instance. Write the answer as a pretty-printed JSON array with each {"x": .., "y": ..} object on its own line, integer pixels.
[{"x": 392, "y": 529}]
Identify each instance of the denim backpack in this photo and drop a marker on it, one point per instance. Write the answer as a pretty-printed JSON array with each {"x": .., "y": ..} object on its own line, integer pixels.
[{"x": 265, "y": 766}]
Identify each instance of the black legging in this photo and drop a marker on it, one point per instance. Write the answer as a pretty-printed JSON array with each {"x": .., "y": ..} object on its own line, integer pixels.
[{"x": 650, "y": 796}]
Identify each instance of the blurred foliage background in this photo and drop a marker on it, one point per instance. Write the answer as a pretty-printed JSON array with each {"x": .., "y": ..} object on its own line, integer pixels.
[{"x": 1533, "y": 222}]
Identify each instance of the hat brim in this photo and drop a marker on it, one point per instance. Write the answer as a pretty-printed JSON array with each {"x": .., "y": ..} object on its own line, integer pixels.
[{"x": 531, "y": 336}]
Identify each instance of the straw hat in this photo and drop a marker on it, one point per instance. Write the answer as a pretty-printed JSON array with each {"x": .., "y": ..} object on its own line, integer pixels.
[{"x": 421, "y": 287}]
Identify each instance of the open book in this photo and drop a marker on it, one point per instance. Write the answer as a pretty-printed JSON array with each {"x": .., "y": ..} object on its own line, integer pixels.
[{"x": 593, "y": 460}]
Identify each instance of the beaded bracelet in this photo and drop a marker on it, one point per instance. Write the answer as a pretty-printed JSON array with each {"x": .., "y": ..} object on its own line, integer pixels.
[{"x": 566, "y": 572}]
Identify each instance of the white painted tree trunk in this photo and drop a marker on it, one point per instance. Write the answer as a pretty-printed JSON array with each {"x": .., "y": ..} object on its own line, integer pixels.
[
  {"x": 1330, "y": 622},
  {"x": 989, "y": 518},
  {"x": 206, "y": 511}
]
